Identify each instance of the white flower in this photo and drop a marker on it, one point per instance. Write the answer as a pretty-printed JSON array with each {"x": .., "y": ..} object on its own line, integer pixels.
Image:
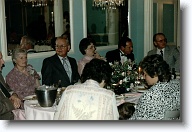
[
  {"x": 110, "y": 63},
  {"x": 121, "y": 82},
  {"x": 30, "y": 70},
  {"x": 123, "y": 73},
  {"x": 129, "y": 67}
]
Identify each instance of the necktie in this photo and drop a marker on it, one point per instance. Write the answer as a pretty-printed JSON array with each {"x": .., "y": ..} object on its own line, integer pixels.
[
  {"x": 4, "y": 90},
  {"x": 161, "y": 53},
  {"x": 67, "y": 68}
]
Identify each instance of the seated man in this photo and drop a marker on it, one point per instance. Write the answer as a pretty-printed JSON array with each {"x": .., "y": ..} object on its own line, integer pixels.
[
  {"x": 8, "y": 100},
  {"x": 170, "y": 53},
  {"x": 60, "y": 69},
  {"x": 123, "y": 53}
]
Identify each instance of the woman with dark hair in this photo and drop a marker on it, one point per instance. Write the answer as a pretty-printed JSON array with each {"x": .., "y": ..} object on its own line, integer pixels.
[
  {"x": 88, "y": 49},
  {"x": 164, "y": 93},
  {"x": 89, "y": 100},
  {"x": 126, "y": 110}
]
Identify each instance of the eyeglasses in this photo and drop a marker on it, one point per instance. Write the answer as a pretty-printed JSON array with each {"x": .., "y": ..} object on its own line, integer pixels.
[
  {"x": 61, "y": 46},
  {"x": 163, "y": 40}
]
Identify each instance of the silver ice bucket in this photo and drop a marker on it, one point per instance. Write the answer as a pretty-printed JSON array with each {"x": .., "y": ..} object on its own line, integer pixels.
[{"x": 46, "y": 95}]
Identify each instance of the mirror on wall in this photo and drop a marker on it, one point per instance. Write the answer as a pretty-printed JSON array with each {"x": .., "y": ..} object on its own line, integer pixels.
[
  {"x": 37, "y": 22},
  {"x": 166, "y": 12},
  {"x": 106, "y": 26}
]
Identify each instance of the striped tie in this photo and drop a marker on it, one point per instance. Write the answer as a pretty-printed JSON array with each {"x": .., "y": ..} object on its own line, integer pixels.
[{"x": 67, "y": 68}]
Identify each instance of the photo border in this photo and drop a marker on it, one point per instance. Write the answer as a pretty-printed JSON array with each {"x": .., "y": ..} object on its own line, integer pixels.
[{"x": 186, "y": 86}]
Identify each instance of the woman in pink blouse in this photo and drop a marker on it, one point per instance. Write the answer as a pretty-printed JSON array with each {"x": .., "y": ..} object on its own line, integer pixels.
[
  {"x": 88, "y": 49},
  {"x": 22, "y": 79}
]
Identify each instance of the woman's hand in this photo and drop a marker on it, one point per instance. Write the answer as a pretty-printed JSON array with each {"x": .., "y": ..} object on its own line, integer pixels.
[{"x": 15, "y": 100}]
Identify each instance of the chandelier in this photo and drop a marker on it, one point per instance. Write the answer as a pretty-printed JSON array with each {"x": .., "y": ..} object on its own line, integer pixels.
[
  {"x": 108, "y": 4},
  {"x": 37, "y": 3}
]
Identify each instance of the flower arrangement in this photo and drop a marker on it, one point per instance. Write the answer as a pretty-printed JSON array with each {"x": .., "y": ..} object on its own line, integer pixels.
[{"x": 123, "y": 76}]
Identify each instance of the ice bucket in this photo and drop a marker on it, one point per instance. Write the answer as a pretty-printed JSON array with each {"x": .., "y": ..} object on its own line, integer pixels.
[{"x": 46, "y": 95}]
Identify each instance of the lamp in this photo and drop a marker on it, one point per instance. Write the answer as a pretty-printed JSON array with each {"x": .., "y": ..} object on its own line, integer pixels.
[
  {"x": 108, "y": 4},
  {"x": 37, "y": 3}
]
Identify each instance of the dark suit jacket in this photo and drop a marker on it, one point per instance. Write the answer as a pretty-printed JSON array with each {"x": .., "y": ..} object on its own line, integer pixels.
[
  {"x": 6, "y": 105},
  {"x": 171, "y": 56},
  {"x": 114, "y": 55},
  {"x": 52, "y": 71}
]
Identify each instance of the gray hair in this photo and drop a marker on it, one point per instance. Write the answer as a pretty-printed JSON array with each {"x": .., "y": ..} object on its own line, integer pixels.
[
  {"x": 16, "y": 52},
  {"x": 60, "y": 37},
  {"x": 28, "y": 40}
]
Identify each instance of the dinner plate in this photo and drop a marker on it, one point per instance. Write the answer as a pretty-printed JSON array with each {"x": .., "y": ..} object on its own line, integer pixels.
[
  {"x": 119, "y": 97},
  {"x": 131, "y": 94},
  {"x": 30, "y": 97},
  {"x": 141, "y": 87},
  {"x": 141, "y": 90}
]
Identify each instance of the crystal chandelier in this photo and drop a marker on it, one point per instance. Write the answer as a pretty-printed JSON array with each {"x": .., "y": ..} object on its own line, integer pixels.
[
  {"x": 108, "y": 4},
  {"x": 37, "y": 3}
]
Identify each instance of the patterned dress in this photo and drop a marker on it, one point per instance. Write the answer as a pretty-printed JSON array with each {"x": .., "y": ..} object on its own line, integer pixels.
[
  {"x": 87, "y": 101},
  {"x": 159, "y": 98},
  {"x": 22, "y": 84}
]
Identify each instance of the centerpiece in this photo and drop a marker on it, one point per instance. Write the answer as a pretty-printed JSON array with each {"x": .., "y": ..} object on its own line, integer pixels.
[{"x": 124, "y": 76}]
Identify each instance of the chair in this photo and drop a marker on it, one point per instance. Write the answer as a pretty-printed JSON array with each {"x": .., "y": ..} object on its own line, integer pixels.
[{"x": 172, "y": 115}]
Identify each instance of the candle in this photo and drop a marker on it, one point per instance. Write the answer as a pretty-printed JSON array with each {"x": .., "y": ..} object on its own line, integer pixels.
[
  {"x": 139, "y": 73},
  {"x": 139, "y": 70}
]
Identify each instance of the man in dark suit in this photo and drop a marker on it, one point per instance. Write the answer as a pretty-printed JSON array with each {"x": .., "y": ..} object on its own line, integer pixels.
[
  {"x": 8, "y": 100},
  {"x": 170, "y": 53},
  {"x": 60, "y": 69},
  {"x": 123, "y": 53}
]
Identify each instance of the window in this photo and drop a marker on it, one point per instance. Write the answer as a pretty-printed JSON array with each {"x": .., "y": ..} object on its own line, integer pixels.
[
  {"x": 107, "y": 26},
  {"x": 21, "y": 19}
]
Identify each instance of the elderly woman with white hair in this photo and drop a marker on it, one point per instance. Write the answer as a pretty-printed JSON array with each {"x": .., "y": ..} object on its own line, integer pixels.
[{"x": 23, "y": 78}]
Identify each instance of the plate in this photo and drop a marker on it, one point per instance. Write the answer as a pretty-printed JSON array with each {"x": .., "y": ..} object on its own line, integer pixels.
[
  {"x": 119, "y": 97},
  {"x": 131, "y": 94},
  {"x": 141, "y": 90},
  {"x": 141, "y": 87},
  {"x": 30, "y": 97}
]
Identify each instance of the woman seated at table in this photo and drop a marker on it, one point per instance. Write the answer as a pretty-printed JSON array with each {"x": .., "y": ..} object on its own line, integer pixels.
[
  {"x": 89, "y": 100},
  {"x": 23, "y": 78},
  {"x": 164, "y": 93},
  {"x": 88, "y": 49}
]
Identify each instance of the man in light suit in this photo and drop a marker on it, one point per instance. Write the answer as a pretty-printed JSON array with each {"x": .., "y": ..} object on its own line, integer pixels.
[
  {"x": 170, "y": 53},
  {"x": 60, "y": 69},
  {"x": 8, "y": 100},
  {"x": 123, "y": 53}
]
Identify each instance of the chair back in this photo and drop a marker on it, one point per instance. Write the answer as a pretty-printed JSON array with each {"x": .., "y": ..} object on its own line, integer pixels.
[{"x": 172, "y": 115}]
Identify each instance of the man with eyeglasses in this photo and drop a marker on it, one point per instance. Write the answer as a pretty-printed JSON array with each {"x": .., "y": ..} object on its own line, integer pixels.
[
  {"x": 60, "y": 69},
  {"x": 170, "y": 53}
]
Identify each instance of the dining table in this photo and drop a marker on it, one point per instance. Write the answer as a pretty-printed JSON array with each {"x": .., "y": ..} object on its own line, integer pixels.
[{"x": 33, "y": 111}]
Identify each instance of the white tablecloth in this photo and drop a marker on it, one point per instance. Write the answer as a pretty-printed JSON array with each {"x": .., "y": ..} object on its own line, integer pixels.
[
  {"x": 128, "y": 97},
  {"x": 35, "y": 112}
]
